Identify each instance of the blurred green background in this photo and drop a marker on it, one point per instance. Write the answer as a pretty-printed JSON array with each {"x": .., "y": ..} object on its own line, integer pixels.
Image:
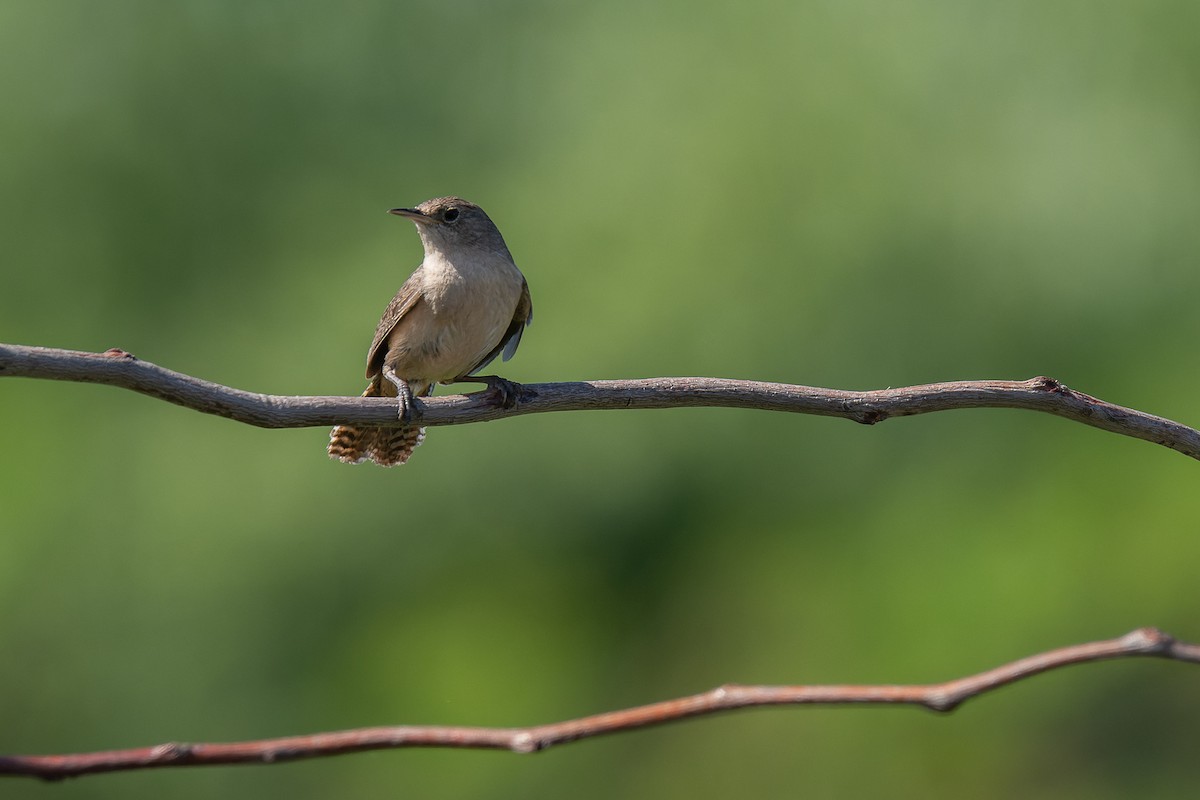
[{"x": 850, "y": 194}]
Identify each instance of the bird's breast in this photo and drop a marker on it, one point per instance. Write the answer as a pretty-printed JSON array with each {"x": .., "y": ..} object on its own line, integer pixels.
[{"x": 467, "y": 309}]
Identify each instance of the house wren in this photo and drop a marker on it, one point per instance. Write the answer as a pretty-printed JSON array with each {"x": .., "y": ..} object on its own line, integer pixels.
[{"x": 462, "y": 307}]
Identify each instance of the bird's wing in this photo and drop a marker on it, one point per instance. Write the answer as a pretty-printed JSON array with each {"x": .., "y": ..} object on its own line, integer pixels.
[
  {"x": 404, "y": 301},
  {"x": 512, "y": 336}
]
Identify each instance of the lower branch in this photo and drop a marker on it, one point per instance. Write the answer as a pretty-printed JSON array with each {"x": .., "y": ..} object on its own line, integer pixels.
[
  {"x": 936, "y": 697},
  {"x": 118, "y": 368}
]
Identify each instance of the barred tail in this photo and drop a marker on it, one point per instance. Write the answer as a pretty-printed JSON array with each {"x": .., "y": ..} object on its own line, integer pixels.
[{"x": 387, "y": 447}]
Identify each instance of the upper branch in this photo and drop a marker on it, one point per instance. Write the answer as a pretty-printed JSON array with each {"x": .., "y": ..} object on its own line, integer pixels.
[{"x": 118, "y": 368}]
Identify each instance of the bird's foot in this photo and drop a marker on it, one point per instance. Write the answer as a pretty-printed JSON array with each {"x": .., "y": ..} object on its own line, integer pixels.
[
  {"x": 507, "y": 392},
  {"x": 404, "y": 395}
]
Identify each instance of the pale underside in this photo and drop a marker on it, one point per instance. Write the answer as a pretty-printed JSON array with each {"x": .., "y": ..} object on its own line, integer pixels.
[{"x": 442, "y": 325}]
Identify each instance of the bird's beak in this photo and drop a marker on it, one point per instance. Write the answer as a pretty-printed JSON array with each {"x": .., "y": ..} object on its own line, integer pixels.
[{"x": 413, "y": 214}]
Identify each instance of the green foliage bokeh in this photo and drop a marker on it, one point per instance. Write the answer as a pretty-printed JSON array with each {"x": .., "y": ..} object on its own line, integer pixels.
[{"x": 857, "y": 195}]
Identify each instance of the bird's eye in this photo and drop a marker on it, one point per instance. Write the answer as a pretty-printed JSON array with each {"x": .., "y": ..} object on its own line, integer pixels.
[{"x": 450, "y": 215}]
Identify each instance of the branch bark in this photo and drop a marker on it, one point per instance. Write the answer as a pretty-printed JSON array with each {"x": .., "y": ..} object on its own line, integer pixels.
[
  {"x": 118, "y": 368},
  {"x": 941, "y": 697}
]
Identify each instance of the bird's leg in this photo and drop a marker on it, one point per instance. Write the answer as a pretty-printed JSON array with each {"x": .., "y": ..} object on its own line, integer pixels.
[
  {"x": 403, "y": 394},
  {"x": 507, "y": 391}
]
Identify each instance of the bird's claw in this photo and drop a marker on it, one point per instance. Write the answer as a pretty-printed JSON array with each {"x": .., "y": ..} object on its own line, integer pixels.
[
  {"x": 507, "y": 392},
  {"x": 405, "y": 410},
  {"x": 404, "y": 395}
]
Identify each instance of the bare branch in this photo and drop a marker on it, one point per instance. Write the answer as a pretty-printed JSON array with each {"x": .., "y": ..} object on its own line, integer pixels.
[
  {"x": 941, "y": 697},
  {"x": 118, "y": 368}
]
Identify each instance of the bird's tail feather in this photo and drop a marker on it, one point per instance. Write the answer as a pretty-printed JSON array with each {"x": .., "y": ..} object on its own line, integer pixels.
[{"x": 387, "y": 447}]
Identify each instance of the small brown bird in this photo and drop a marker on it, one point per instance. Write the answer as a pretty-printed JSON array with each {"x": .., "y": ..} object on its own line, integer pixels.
[{"x": 462, "y": 307}]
